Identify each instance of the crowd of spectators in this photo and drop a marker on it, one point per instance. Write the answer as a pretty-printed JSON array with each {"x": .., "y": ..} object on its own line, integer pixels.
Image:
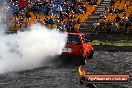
[
  {"x": 119, "y": 25},
  {"x": 121, "y": 22},
  {"x": 65, "y": 14},
  {"x": 55, "y": 12}
]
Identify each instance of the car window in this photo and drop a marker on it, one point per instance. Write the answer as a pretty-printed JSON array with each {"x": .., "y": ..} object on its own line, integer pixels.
[
  {"x": 85, "y": 39},
  {"x": 73, "y": 39}
]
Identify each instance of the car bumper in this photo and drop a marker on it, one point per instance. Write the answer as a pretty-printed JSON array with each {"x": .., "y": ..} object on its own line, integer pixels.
[
  {"x": 71, "y": 59},
  {"x": 71, "y": 56}
]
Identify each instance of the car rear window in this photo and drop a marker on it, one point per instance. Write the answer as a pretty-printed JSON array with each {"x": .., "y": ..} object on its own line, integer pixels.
[{"x": 73, "y": 39}]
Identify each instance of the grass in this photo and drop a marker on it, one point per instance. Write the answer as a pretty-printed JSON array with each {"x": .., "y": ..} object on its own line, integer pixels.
[{"x": 115, "y": 43}]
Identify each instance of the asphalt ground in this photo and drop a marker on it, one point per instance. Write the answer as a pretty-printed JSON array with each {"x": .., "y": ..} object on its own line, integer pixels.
[{"x": 64, "y": 76}]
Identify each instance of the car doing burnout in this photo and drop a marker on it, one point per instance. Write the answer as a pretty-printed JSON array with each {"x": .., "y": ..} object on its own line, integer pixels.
[{"x": 78, "y": 44}]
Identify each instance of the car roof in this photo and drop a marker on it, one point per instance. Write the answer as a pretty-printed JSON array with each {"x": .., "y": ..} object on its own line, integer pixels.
[{"x": 76, "y": 33}]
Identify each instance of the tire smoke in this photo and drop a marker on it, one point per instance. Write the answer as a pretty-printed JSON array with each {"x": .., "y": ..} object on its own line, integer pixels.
[{"x": 29, "y": 49}]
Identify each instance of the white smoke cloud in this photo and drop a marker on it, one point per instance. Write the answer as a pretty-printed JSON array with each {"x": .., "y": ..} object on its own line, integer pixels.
[{"x": 30, "y": 49}]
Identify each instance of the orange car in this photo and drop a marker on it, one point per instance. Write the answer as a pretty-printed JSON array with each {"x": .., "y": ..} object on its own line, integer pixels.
[{"x": 79, "y": 44}]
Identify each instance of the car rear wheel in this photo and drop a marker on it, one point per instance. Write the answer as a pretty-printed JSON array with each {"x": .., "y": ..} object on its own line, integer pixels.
[
  {"x": 91, "y": 55},
  {"x": 83, "y": 61}
]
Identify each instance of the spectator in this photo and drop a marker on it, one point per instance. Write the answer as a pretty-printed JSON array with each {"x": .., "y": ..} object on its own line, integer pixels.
[
  {"x": 40, "y": 20},
  {"x": 68, "y": 26},
  {"x": 72, "y": 24},
  {"x": 40, "y": 10},
  {"x": 80, "y": 11},
  {"x": 95, "y": 25},
  {"x": 78, "y": 21},
  {"x": 112, "y": 3},
  {"x": 106, "y": 9},
  {"x": 51, "y": 21},
  {"x": 50, "y": 13},
  {"x": 21, "y": 20},
  {"x": 117, "y": 19},
  {"x": 102, "y": 25},
  {"x": 128, "y": 25},
  {"x": 130, "y": 17},
  {"x": 116, "y": 11},
  {"x": 64, "y": 26},
  {"x": 114, "y": 27},
  {"x": 59, "y": 9},
  {"x": 59, "y": 26},
  {"x": 22, "y": 4},
  {"x": 124, "y": 18},
  {"x": 121, "y": 25},
  {"x": 46, "y": 21},
  {"x": 83, "y": 7},
  {"x": 27, "y": 15},
  {"x": 111, "y": 10},
  {"x": 16, "y": 21},
  {"x": 34, "y": 9},
  {"x": 108, "y": 26},
  {"x": 122, "y": 11},
  {"x": 93, "y": 2},
  {"x": 102, "y": 16},
  {"x": 72, "y": 7},
  {"x": 47, "y": 9}
]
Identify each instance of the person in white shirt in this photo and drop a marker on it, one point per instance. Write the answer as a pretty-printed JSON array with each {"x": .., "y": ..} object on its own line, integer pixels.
[{"x": 59, "y": 9}]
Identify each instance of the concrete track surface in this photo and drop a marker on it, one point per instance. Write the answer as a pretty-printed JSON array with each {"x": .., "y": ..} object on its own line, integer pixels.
[{"x": 65, "y": 76}]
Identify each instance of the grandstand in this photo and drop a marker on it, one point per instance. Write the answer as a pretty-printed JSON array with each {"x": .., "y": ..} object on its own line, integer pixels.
[{"x": 102, "y": 16}]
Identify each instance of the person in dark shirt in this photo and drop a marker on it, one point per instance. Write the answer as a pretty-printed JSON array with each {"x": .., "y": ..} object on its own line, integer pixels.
[
  {"x": 78, "y": 21},
  {"x": 72, "y": 25},
  {"x": 51, "y": 21},
  {"x": 130, "y": 17},
  {"x": 34, "y": 9},
  {"x": 128, "y": 25},
  {"x": 121, "y": 25},
  {"x": 114, "y": 27},
  {"x": 46, "y": 21},
  {"x": 108, "y": 26},
  {"x": 21, "y": 20},
  {"x": 116, "y": 11},
  {"x": 117, "y": 19},
  {"x": 102, "y": 26},
  {"x": 27, "y": 15},
  {"x": 111, "y": 10}
]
